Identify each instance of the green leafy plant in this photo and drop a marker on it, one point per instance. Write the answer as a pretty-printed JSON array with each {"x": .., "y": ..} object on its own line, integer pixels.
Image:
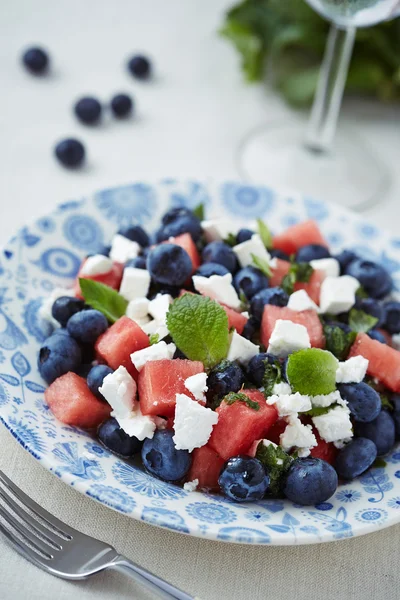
[
  {"x": 233, "y": 397},
  {"x": 276, "y": 463},
  {"x": 103, "y": 298},
  {"x": 298, "y": 272},
  {"x": 338, "y": 341}
]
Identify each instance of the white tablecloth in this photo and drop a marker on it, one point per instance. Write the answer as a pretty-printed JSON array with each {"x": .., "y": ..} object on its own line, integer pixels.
[{"x": 189, "y": 122}]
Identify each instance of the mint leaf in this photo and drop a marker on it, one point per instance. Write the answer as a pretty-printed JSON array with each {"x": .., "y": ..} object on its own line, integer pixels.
[
  {"x": 276, "y": 462},
  {"x": 265, "y": 233},
  {"x": 298, "y": 272},
  {"x": 262, "y": 265},
  {"x": 312, "y": 372},
  {"x": 199, "y": 211},
  {"x": 317, "y": 411},
  {"x": 379, "y": 463},
  {"x": 231, "y": 240},
  {"x": 272, "y": 375},
  {"x": 338, "y": 341},
  {"x": 103, "y": 298},
  {"x": 361, "y": 293},
  {"x": 385, "y": 402},
  {"x": 154, "y": 338},
  {"x": 361, "y": 321},
  {"x": 233, "y": 397},
  {"x": 199, "y": 328}
]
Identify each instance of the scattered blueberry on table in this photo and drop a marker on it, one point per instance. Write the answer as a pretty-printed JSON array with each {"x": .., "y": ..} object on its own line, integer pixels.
[
  {"x": 121, "y": 105},
  {"x": 36, "y": 60},
  {"x": 140, "y": 67},
  {"x": 70, "y": 152},
  {"x": 88, "y": 110}
]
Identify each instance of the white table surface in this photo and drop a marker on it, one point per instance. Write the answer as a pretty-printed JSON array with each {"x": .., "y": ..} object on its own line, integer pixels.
[{"x": 190, "y": 120}]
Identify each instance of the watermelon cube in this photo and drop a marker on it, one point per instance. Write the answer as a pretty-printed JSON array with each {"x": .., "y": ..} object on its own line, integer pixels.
[
  {"x": 313, "y": 286},
  {"x": 274, "y": 433},
  {"x": 297, "y": 236},
  {"x": 112, "y": 279},
  {"x": 206, "y": 467},
  {"x": 278, "y": 272},
  {"x": 186, "y": 242},
  {"x": 325, "y": 450},
  {"x": 239, "y": 425},
  {"x": 71, "y": 402},
  {"x": 115, "y": 346},
  {"x": 235, "y": 319},
  {"x": 160, "y": 381},
  {"x": 308, "y": 318},
  {"x": 384, "y": 361}
]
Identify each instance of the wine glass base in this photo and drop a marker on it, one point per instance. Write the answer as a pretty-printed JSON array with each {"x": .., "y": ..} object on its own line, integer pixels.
[{"x": 350, "y": 174}]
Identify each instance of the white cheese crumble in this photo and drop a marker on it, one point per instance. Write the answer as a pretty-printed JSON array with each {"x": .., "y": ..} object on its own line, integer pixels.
[
  {"x": 96, "y": 265},
  {"x": 119, "y": 389},
  {"x": 138, "y": 309},
  {"x": 191, "y": 486},
  {"x": 254, "y": 246},
  {"x": 342, "y": 443},
  {"x": 334, "y": 425},
  {"x": 330, "y": 266},
  {"x": 123, "y": 249},
  {"x": 300, "y": 300},
  {"x": 159, "y": 307},
  {"x": 219, "y": 288},
  {"x": 288, "y": 337},
  {"x": 297, "y": 435},
  {"x": 216, "y": 230},
  {"x": 135, "y": 283},
  {"x": 242, "y": 349},
  {"x": 281, "y": 388},
  {"x": 137, "y": 425},
  {"x": 197, "y": 385},
  {"x": 353, "y": 370},
  {"x": 47, "y": 305},
  {"x": 158, "y": 351},
  {"x": 288, "y": 404},
  {"x": 338, "y": 294},
  {"x": 324, "y": 400},
  {"x": 193, "y": 423}
]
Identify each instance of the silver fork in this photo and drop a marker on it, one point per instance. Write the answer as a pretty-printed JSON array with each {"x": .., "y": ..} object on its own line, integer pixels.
[{"x": 63, "y": 551}]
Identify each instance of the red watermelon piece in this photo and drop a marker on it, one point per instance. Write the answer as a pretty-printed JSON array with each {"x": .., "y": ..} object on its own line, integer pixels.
[
  {"x": 279, "y": 272},
  {"x": 115, "y": 346},
  {"x": 313, "y": 286},
  {"x": 239, "y": 425},
  {"x": 308, "y": 318},
  {"x": 299, "y": 235},
  {"x": 186, "y": 242},
  {"x": 71, "y": 402},
  {"x": 276, "y": 430},
  {"x": 160, "y": 381},
  {"x": 206, "y": 467},
  {"x": 112, "y": 279},
  {"x": 325, "y": 450},
  {"x": 384, "y": 361},
  {"x": 235, "y": 319}
]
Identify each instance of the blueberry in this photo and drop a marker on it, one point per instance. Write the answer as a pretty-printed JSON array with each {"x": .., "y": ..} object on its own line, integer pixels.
[
  {"x": 391, "y": 317},
  {"x": 375, "y": 280},
  {"x": 364, "y": 402},
  {"x": 355, "y": 458},
  {"x": 66, "y": 306},
  {"x": 140, "y": 67},
  {"x": 344, "y": 259},
  {"x": 87, "y": 325},
  {"x": 243, "y": 235},
  {"x": 84, "y": 370},
  {"x": 221, "y": 253},
  {"x": 276, "y": 253},
  {"x": 276, "y": 296},
  {"x": 121, "y": 105},
  {"x": 137, "y": 263},
  {"x": 250, "y": 280},
  {"x": 36, "y": 60},
  {"x": 243, "y": 479},
  {"x": 70, "y": 152},
  {"x": 170, "y": 264},
  {"x": 250, "y": 329},
  {"x": 211, "y": 268},
  {"x": 374, "y": 334},
  {"x": 162, "y": 459},
  {"x": 310, "y": 481},
  {"x": 381, "y": 431},
  {"x": 312, "y": 252},
  {"x": 176, "y": 213},
  {"x": 88, "y": 110},
  {"x": 115, "y": 439},
  {"x": 59, "y": 354},
  {"x": 156, "y": 289},
  {"x": 185, "y": 224},
  {"x": 256, "y": 367},
  {"x": 373, "y": 308},
  {"x": 226, "y": 377},
  {"x": 395, "y": 399},
  {"x": 95, "y": 379},
  {"x": 284, "y": 369},
  {"x": 135, "y": 233}
]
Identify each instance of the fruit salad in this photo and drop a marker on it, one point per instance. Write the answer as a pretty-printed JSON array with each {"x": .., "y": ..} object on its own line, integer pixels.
[{"x": 234, "y": 362}]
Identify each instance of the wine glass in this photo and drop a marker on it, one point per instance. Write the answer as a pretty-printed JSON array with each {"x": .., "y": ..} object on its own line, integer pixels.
[{"x": 322, "y": 160}]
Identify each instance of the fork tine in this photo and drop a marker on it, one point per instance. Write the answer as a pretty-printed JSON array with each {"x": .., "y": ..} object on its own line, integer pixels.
[
  {"x": 53, "y": 522},
  {"x": 27, "y": 535},
  {"x": 24, "y": 550}
]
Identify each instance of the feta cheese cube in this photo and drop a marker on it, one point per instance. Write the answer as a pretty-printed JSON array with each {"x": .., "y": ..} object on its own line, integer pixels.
[
  {"x": 281, "y": 389},
  {"x": 47, "y": 305},
  {"x": 288, "y": 337},
  {"x": 297, "y": 435},
  {"x": 151, "y": 326},
  {"x": 197, "y": 385},
  {"x": 219, "y": 288},
  {"x": 353, "y": 370},
  {"x": 338, "y": 294},
  {"x": 288, "y": 404},
  {"x": 159, "y": 306},
  {"x": 158, "y": 351},
  {"x": 119, "y": 389},
  {"x": 330, "y": 266},
  {"x": 123, "y": 249},
  {"x": 135, "y": 283},
  {"x": 303, "y": 452},
  {"x": 326, "y": 400},
  {"x": 216, "y": 229},
  {"x": 254, "y": 246},
  {"x": 135, "y": 424},
  {"x": 300, "y": 300},
  {"x": 242, "y": 349},
  {"x": 193, "y": 423},
  {"x": 96, "y": 265},
  {"x": 138, "y": 309},
  {"x": 334, "y": 425},
  {"x": 191, "y": 486}
]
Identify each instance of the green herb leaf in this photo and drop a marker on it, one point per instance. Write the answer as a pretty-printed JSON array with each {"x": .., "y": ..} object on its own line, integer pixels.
[
  {"x": 272, "y": 375},
  {"x": 265, "y": 233},
  {"x": 103, "y": 298},
  {"x": 199, "y": 211},
  {"x": 199, "y": 328},
  {"x": 338, "y": 341},
  {"x": 233, "y": 397},
  {"x": 276, "y": 463},
  {"x": 379, "y": 463},
  {"x": 231, "y": 240},
  {"x": 298, "y": 272},
  {"x": 312, "y": 372},
  {"x": 361, "y": 321},
  {"x": 244, "y": 303},
  {"x": 154, "y": 338},
  {"x": 262, "y": 265},
  {"x": 385, "y": 402},
  {"x": 317, "y": 411},
  {"x": 361, "y": 293}
]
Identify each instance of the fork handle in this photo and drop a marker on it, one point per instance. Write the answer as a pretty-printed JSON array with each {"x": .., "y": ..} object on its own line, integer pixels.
[{"x": 165, "y": 590}]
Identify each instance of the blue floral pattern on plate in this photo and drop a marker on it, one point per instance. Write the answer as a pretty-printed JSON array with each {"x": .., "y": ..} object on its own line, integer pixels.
[{"x": 48, "y": 253}]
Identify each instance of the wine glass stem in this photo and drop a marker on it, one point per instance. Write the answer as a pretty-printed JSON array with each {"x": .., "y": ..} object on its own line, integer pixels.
[{"x": 328, "y": 97}]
